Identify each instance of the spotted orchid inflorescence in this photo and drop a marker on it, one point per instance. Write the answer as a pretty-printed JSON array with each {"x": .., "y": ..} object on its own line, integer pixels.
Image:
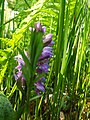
[{"x": 43, "y": 61}]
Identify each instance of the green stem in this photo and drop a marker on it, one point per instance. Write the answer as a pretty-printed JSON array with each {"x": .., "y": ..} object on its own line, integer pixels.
[
  {"x": 59, "y": 49},
  {"x": 21, "y": 107},
  {"x": 2, "y": 20},
  {"x": 27, "y": 3},
  {"x": 28, "y": 99}
]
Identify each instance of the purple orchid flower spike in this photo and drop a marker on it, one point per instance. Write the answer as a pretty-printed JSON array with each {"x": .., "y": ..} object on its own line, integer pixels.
[{"x": 43, "y": 61}]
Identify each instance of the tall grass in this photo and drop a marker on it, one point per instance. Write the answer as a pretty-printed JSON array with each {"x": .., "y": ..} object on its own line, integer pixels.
[
  {"x": 68, "y": 81},
  {"x": 1, "y": 19}
]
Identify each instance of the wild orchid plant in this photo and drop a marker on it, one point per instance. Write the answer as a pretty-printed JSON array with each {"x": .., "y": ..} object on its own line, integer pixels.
[{"x": 32, "y": 64}]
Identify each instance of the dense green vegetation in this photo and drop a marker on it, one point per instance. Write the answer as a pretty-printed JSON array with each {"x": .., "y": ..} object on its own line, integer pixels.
[{"x": 65, "y": 94}]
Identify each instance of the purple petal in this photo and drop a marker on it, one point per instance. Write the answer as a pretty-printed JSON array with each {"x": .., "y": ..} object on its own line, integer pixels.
[
  {"x": 42, "y": 68},
  {"x": 19, "y": 67},
  {"x": 15, "y": 76},
  {"x": 38, "y": 91},
  {"x": 38, "y": 70},
  {"x": 38, "y": 26},
  {"x": 45, "y": 55},
  {"x": 31, "y": 29},
  {"x": 47, "y": 39},
  {"x": 18, "y": 75},
  {"x": 43, "y": 29},
  {"x": 42, "y": 78},
  {"x": 21, "y": 62},
  {"x": 47, "y": 48},
  {"x": 23, "y": 81},
  {"x": 19, "y": 59},
  {"x": 51, "y": 43},
  {"x": 40, "y": 86}
]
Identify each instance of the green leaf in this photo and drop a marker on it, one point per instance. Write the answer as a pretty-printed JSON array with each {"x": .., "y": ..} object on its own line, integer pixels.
[
  {"x": 12, "y": 91},
  {"x": 27, "y": 69},
  {"x": 36, "y": 48}
]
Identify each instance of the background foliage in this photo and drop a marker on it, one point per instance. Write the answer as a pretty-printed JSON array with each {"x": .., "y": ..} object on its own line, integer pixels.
[{"x": 68, "y": 80}]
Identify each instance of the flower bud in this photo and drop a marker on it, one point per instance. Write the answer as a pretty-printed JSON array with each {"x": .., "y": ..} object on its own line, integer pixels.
[
  {"x": 38, "y": 26},
  {"x": 47, "y": 39},
  {"x": 43, "y": 29}
]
